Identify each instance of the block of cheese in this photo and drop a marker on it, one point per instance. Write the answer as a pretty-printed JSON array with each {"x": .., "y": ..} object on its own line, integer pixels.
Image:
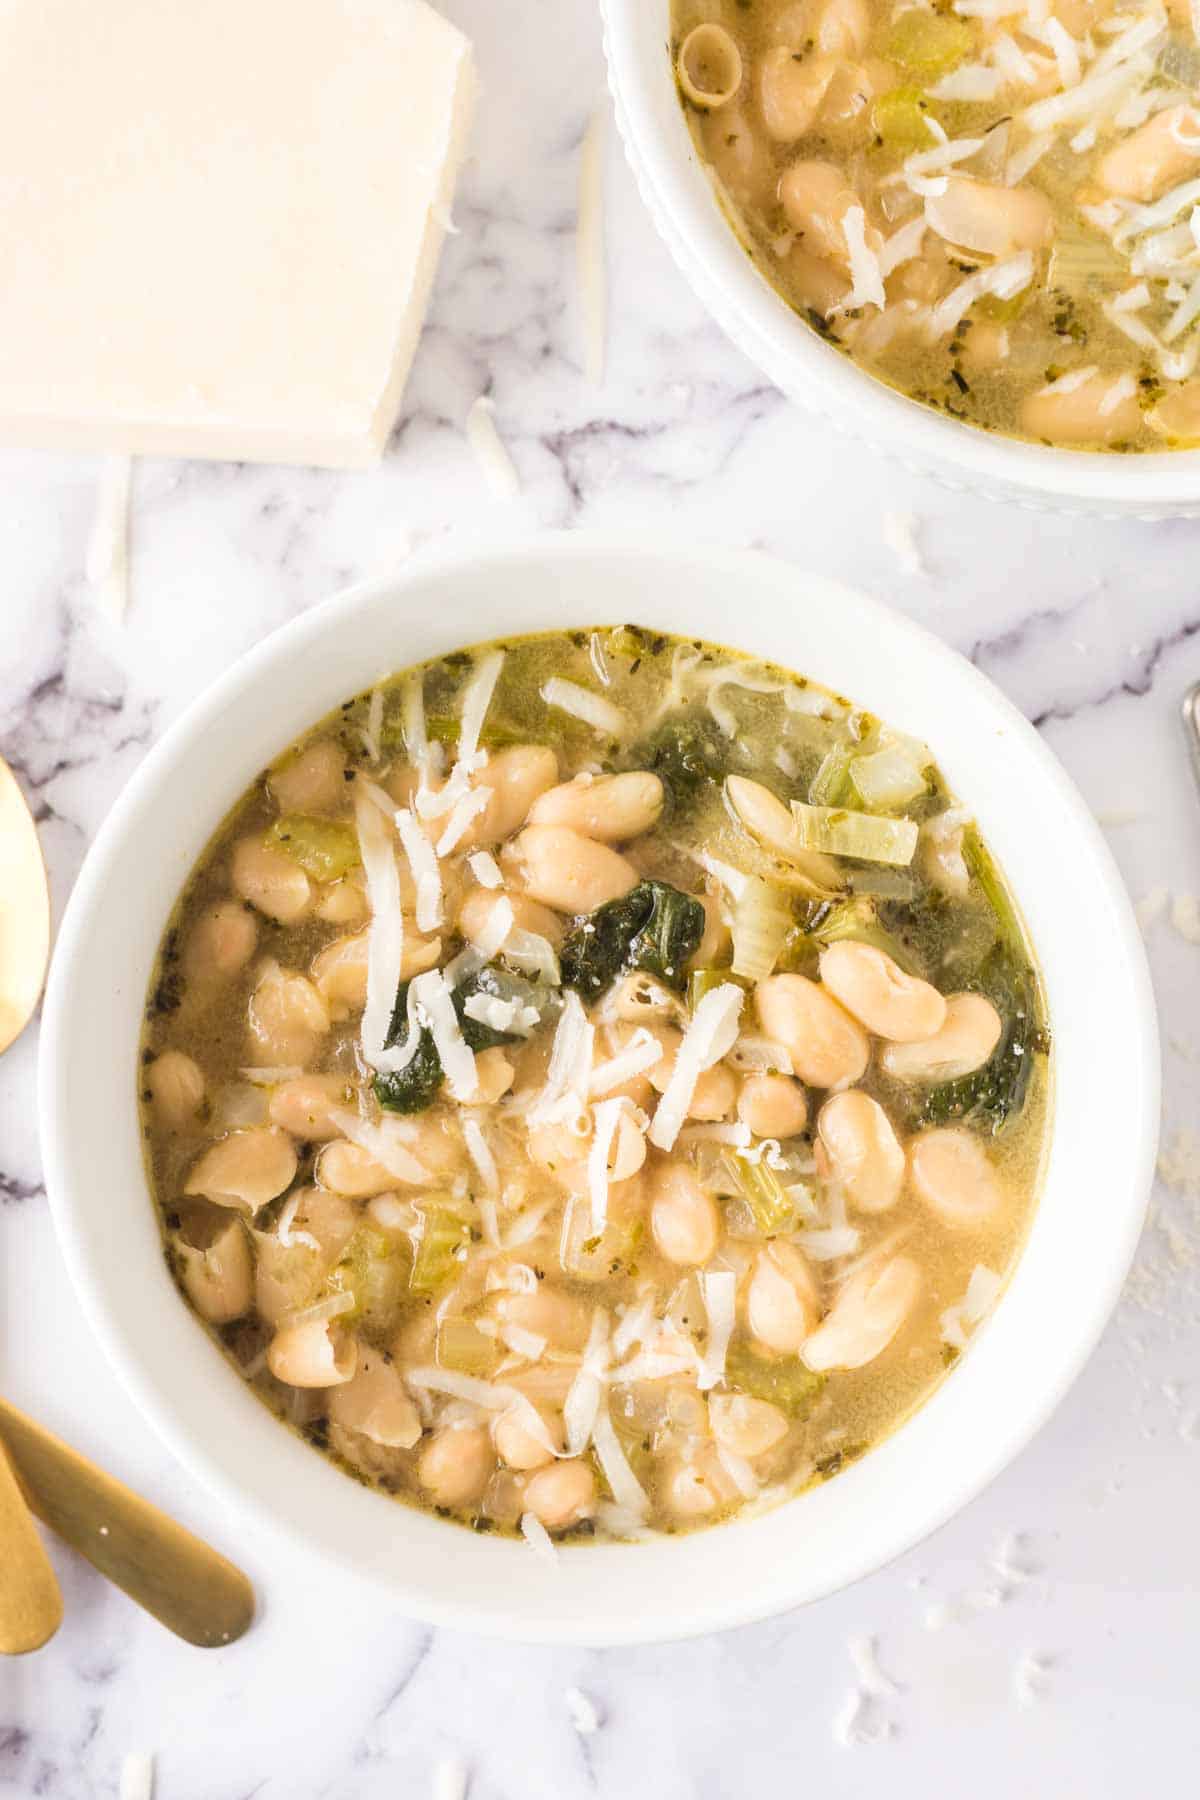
[{"x": 220, "y": 220}]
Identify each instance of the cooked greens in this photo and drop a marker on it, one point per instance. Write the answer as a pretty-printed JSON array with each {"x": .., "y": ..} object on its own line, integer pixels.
[{"x": 654, "y": 928}]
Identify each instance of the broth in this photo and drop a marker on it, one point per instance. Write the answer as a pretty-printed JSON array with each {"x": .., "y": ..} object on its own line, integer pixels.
[
  {"x": 595, "y": 1084},
  {"x": 985, "y": 203}
]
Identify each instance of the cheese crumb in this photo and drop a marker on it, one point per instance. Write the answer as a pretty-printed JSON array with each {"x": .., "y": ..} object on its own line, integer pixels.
[
  {"x": 137, "y": 1777},
  {"x": 450, "y": 1779},
  {"x": 491, "y": 453},
  {"x": 900, "y": 536},
  {"x": 108, "y": 545},
  {"x": 583, "y": 1712}
]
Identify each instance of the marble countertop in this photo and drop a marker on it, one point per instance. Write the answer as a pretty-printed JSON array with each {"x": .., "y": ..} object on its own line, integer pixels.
[{"x": 1092, "y": 628}]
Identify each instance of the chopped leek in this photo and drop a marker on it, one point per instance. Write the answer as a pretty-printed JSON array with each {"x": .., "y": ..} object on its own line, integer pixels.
[
  {"x": 324, "y": 848},
  {"x": 761, "y": 922},
  {"x": 763, "y": 1192},
  {"x": 899, "y": 119},
  {"x": 446, "y": 1230},
  {"x": 927, "y": 44},
  {"x": 866, "y": 836},
  {"x": 784, "y": 1381},
  {"x": 888, "y": 780},
  {"x": 1179, "y": 61},
  {"x": 463, "y": 1347},
  {"x": 374, "y": 1270}
]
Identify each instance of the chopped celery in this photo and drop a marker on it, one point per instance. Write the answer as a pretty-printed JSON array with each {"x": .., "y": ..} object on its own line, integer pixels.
[
  {"x": 866, "y": 836},
  {"x": 888, "y": 780},
  {"x": 762, "y": 919},
  {"x": 763, "y": 1192},
  {"x": 899, "y": 119},
  {"x": 324, "y": 848},
  {"x": 1081, "y": 260},
  {"x": 446, "y": 1229},
  {"x": 374, "y": 1269},
  {"x": 463, "y": 1347},
  {"x": 927, "y": 44},
  {"x": 858, "y": 920},
  {"x": 830, "y": 786},
  {"x": 703, "y": 981},
  {"x": 784, "y": 1381},
  {"x": 1003, "y": 312},
  {"x": 1179, "y": 61}
]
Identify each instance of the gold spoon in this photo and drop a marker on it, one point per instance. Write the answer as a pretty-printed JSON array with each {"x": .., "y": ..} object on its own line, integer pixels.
[
  {"x": 24, "y": 911},
  {"x": 188, "y": 1586},
  {"x": 31, "y": 1606}
]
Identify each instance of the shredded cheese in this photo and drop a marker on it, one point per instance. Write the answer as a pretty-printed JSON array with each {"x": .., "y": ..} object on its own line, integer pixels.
[
  {"x": 589, "y": 246},
  {"x": 107, "y": 563},
  {"x": 491, "y": 453},
  {"x": 435, "y": 1007},
  {"x": 711, "y": 1032},
  {"x": 137, "y": 1776},
  {"x": 385, "y": 937},
  {"x": 581, "y": 703},
  {"x": 485, "y": 869},
  {"x": 719, "y": 1288},
  {"x": 422, "y": 860},
  {"x": 382, "y": 1143}
]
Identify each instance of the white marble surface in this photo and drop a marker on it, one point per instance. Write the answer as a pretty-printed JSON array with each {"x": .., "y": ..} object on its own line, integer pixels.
[{"x": 1094, "y": 629}]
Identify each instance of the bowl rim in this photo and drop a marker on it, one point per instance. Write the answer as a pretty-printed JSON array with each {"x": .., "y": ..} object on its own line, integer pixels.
[
  {"x": 683, "y": 203},
  {"x": 684, "y": 1613}
]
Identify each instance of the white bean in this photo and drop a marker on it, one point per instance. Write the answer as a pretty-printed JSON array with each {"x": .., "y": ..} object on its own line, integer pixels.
[
  {"x": 790, "y": 91},
  {"x": 220, "y": 943},
  {"x": 744, "y": 1425},
  {"x": 561, "y": 1495},
  {"x": 312, "y": 782},
  {"x": 219, "y": 1279},
  {"x": 773, "y": 1106},
  {"x": 862, "y": 1147},
  {"x": 247, "y": 1168},
  {"x": 455, "y": 1465},
  {"x": 968, "y": 1036},
  {"x": 302, "y": 1105},
  {"x": 570, "y": 872},
  {"x": 873, "y": 987},
  {"x": 783, "y": 1303},
  {"x": 345, "y": 1168},
  {"x": 865, "y": 1317},
  {"x": 315, "y": 1354},
  {"x": 610, "y": 808},
  {"x": 684, "y": 1220},
  {"x": 991, "y": 218},
  {"x": 513, "y": 779},
  {"x": 175, "y": 1085},
  {"x": 715, "y": 1093},
  {"x": 1097, "y": 411},
  {"x": 520, "y": 1447},
  {"x": 816, "y": 197},
  {"x": 475, "y": 916},
  {"x": 340, "y": 969},
  {"x": 1147, "y": 162},
  {"x": 287, "y": 1017},
  {"x": 827, "y": 1047},
  {"x": 952, "y": 1174},
  {"x": 376, "y": 1403},
  {"x": 269, "y": 879}
]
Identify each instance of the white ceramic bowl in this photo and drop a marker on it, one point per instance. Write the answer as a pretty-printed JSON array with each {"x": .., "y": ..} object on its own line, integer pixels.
[
  {"x": 681, "y": 201},
  {"x": 1082, "y": 1239}
]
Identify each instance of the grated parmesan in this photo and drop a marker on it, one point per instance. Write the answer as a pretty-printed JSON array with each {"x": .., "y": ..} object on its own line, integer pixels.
[
  {"x": 491, "y": 453},
  {"x": 538, "y": 1538},
  {"x": 582, "y": 1711},
  {"x": 485, "y": 869},
  {"x": 107, "y": 564},
  {"x": 589, "y": 247},
  {"x": 711, "y": 1032},
  {"x": 581, "y": 703},
  {"x": 137, "y": 1776},
  {"x": 450, "y": 1779}
]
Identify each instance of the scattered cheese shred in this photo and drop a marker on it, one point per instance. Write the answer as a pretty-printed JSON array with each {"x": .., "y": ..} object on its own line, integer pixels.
[
  {"x": 900, "y": 536},
  {"x": 872, "y": 1679},
  {"x": 582, "y": 1711},
  {"x": 711, "y": 1032},
  {"x": 719, "y": 1288},
  {"x": 476, "y": 699},
  {"x": 432, "y": 994},
  {"x": 450, "y": 1779},
  {"x": 538, "y": 1538},
  {"x": 381, "y": 1142},
  {"x": 137, "y": 1776},
  {"x": 485, "y": 869},
  {"x": 491, "y": 453},
  {"x": 107, "y": 565},
  {"x": 385, "y": 937},
  {"x": 589, "y": 247},
  {"x": 581, "y": 703},
  {"x": 422, "y": 860}
]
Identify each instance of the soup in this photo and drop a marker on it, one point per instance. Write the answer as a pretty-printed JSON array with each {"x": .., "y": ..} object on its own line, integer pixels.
[
  {"x": 987, "y": 204},
  {"x": 595, "y": 1084}
]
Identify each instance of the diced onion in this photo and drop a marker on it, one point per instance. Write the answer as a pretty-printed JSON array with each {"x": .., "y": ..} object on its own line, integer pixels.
[
  {"x": 760, "y": 924},
  {"x": 888, "y": 779},
  {"x": 532, "y": 954}
]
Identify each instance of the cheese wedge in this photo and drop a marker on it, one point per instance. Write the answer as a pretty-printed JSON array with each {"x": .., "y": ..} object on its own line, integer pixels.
[{"x": 220, "y": 220}]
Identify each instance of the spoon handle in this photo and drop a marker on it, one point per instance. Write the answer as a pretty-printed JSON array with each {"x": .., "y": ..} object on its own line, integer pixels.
[
  {"x": 187, "y": 1585},
  {"x": 30, "y": 1604}
]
